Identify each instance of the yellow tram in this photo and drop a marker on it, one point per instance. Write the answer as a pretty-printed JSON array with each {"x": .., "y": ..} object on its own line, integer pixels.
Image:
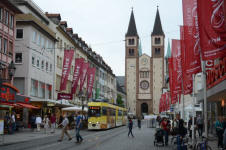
[{"x": 102, "y": 115}]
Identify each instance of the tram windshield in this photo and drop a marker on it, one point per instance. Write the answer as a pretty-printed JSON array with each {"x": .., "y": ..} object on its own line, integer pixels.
[{"x": 94, "y": 111}]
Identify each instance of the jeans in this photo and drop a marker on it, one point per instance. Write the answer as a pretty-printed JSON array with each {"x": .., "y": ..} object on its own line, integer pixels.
[
  {"x": 78, "y": 136},
  {"x": 200, "y": 128},
  {"x": 166, "y": 137},
  {"x": 130, "y": 132}
]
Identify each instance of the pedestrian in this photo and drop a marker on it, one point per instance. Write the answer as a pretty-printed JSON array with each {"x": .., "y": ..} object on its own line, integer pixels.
[
  {"x": 13, "y": 122},
  {"x": 78, "y": 126},
  {"x": 60, "y": 120},
  {"x": 139, "y": 122},
  {"x": 199, "y": 122},
  {"x": 7, "y": 122},
  {"x": 182, "y": 131},
  {"x": 53, "y": 122},
  {"x": 64, "y": 123},
  {"x": 219, "y": 131},
  {"x": 130, "y": 125},
  {"x": 190, "y": 127},
  {"x": 32, "y": 121},
  {"x": 165, "y": 127},
  {"x": 38, "y": 122},
  {"x": 46, "y": 123},
  {"x": 224, "y": 139}
]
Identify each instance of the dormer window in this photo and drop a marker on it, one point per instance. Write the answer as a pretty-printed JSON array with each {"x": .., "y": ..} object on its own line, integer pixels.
[
  {"x": 131, "y": 42},
  {"x": 157, "y": 40}
]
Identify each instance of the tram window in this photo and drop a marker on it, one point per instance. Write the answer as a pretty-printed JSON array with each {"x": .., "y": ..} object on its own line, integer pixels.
[
  {"x": 119, "y": 113},
  {"x": 94, "y": 112},
  {"x": 104, "y": 111},
  {"x": 113, "y": 112}
]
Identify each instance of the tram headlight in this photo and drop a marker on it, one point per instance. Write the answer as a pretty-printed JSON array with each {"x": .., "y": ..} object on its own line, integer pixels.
[
  {"x": 97, "y": 122},
  {"x": 90, "y": 122}
]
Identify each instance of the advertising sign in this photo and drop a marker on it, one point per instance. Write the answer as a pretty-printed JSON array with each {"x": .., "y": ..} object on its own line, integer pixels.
[{"x": 66, "y": 96}]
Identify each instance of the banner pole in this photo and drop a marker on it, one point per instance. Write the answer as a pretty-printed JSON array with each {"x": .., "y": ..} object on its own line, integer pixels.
[
  {"x": 204, "y": 97},
  {"x": 193, "y": 109}
]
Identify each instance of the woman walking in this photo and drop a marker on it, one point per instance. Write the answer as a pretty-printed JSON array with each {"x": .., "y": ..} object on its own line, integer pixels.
[
  {"x": 46, "y": 123},
  {"x": 130, "y": 125}
]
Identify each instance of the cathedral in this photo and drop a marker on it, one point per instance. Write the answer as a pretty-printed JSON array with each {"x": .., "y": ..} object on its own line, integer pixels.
[{"x": 144, "y": 75}]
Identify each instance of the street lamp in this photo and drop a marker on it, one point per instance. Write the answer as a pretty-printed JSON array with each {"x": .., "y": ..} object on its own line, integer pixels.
[{"x": 11, "y": 70}]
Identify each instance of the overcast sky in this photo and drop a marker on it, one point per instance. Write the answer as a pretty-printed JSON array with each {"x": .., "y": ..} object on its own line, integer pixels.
[{"x": 103, "y": 23}]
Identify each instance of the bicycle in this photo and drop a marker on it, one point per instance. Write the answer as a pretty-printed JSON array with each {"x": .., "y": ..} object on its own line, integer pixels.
[{"x": 202, "y": 145}]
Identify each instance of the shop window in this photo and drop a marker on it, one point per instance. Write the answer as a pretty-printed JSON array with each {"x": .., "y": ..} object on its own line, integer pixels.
[
  {"x": 41, "y": 89},
  {"x": 6, "y": 18},
  {"x": 11, "y": 23},
  {"x": 18, "y": 58},
  {"x": 1, "y": 14},
  {"x": 49, "y": 91},
  {"x": 34, "y": 87},
  {"x": 19, "y": 33},
  {"x": 47, "y": 44},
  {"x": 5, "y": 46}
]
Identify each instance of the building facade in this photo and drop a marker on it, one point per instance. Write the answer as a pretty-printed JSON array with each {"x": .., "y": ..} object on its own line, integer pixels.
[
  {"x": 7, "y": 37},
  {"x": 144, "y": 77}
]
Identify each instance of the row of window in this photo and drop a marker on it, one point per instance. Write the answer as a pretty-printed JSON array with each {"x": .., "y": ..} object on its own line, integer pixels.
[
  {"x": 40, "y": 89},
  {"x": 6, "y": 18},
  {"x": 44, "y": 65},
  {"x": 41, "y": 41},
  {"x": 5, "y": 47},
  {"x": 144, "y": 74}
]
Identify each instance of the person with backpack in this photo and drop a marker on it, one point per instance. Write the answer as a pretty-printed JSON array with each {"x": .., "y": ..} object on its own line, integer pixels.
[
  {"x": 78, "y": 126},
  {"x": 130, "y": 125},
  {"x": 64, "y": 123}
]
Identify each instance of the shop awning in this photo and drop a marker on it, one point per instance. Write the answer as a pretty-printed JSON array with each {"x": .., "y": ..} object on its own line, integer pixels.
[
  {"x": 27, "y": 106},
  {"x": 75, "y": 108}
]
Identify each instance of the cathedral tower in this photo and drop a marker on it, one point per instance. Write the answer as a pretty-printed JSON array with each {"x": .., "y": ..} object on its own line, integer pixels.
[
  {"x": 157, "y": 44},
  {"x": 131, "y": 64}
]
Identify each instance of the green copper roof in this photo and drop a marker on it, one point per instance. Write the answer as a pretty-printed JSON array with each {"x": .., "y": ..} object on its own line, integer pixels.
[{"x": 168, "y": 53}]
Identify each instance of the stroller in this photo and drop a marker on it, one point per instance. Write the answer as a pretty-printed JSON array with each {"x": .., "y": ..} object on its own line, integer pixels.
[{"x": 159, "y": 137}]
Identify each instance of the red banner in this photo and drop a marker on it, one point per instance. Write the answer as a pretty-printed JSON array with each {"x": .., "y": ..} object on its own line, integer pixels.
[
  {"x": 90, "y": 80},
  {"x": 212, "y": 29},
  {"x": 187, "y": 77},
  {"x": 172, "y": 95},
  {"x": 68, "y": 56},
  {"x": 83, "y": 74},
  {"x": 191, "y": 36},
  {"x": 78, "y": 66},
  {"x": 168, "y": 100},
  {"x": 176, "y": 63}
]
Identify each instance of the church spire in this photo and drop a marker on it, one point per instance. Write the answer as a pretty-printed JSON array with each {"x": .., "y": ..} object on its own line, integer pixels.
[
  {"x": 157, "y": 30},
  {"x": 132, "y": 30}
]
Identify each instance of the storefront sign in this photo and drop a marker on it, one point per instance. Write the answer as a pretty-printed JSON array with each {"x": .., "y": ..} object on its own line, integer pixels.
[
  {"x": 64, "y": 96},
  {"x": 9, "y": 94},
  {"x": 217, "y": 74},
  {"x": 1, "y": 127}
]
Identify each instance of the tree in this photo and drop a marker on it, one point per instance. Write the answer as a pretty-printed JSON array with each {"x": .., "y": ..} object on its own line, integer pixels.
[{"x": 119, "y": 100}]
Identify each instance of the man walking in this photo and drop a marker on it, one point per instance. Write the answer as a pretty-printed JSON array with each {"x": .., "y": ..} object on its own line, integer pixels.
[
  {"x": 53, "y": 123},
  {"x": 200, "y": 125},
  {"x": 139, "y": 123},
  {"x": 130, "y": 125},
  {"x": 64, "y": 123},
  {"x": 78, "y": 127},
  {"x": 38, "y": 122}
]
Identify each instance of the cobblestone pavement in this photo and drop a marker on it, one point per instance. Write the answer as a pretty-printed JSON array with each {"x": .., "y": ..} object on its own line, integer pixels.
[{"x": 113, "y": 139}]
